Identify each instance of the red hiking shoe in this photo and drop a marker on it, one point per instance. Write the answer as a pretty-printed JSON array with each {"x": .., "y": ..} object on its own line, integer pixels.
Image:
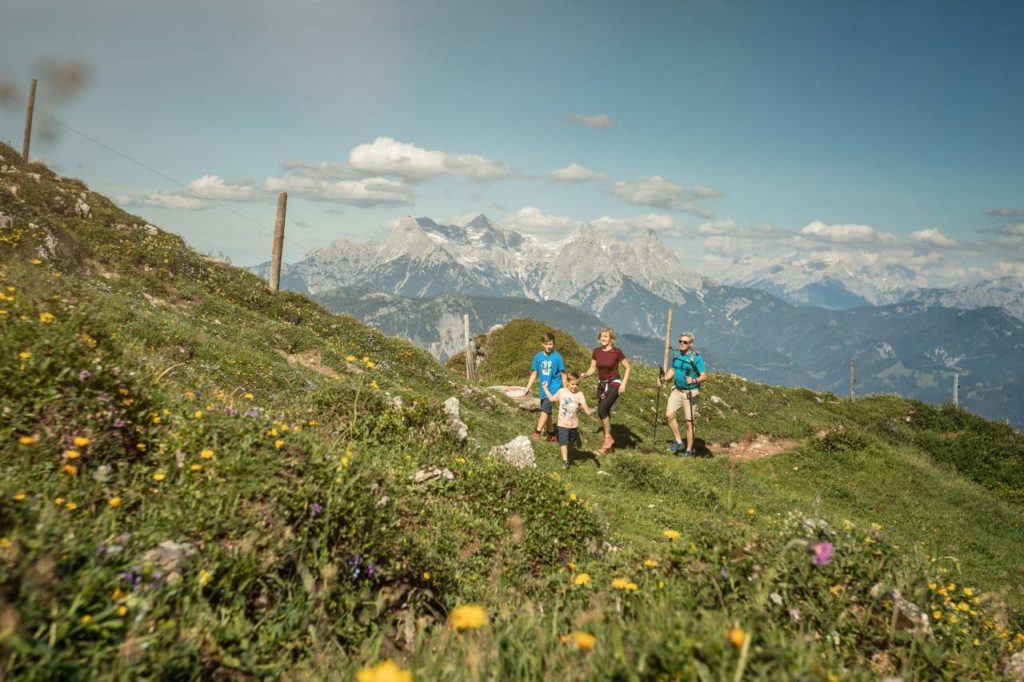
[
  {"x": 535, "y": 435},
  {"x": 552, "y": 438},
  {"x": 608, "y": 444}
]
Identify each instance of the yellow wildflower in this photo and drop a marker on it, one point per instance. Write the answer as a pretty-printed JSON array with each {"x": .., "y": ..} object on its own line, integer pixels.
[
  {"x": 581, "y": 579},
  {"x": 953, "y": 620},
  {"x": 572, "y": 497},
  {"x": 249, "y": 396},
  {"x": 670, "y": 534},
  {"x": 36, "y": 261},
  {"x": 5, "y": 542},
  {"x": 751, "y": 511},
  {"x": 206, "y": 453},
  {"x": 962, "y": 606},
  {"x": 80, "y": 441},
  {"x": 159, "y": 476},
  {"x": 24, "y": 355},
  {"x": 70, "y": 469},
  {"x": 196, "y": 467},
  {"x": 85, "y": 620},
  {"x": 968, "y": 592},
  {"x": 936, "y": 615},
  {"x": 385, "y": 671},
  {"x": 28, "y": 440},
  {"x": 278, "y": 444},
  {"x": 624, "y": 585},
  {"x": 313, "y": 422},
  {"x": 122, "y": 611},
  {"x": 650, "y": 563},
  {"x": 198, "y": 414},
  {"x": 114, "y": 502},
  {"x": 836, "y": 590},
  {"x": 71, "y": 506},
  {"x": 141, "y": 447},
  {"x": 72, "y": 454},
  {"x": 426, "y": 575},
  {"x": 46, "y": 318},
  {"x": 584, "y": 641},
  {"x": 350, "y": 358},
  {"x": 737, "y": 637},
  {"x": 467, "y": 617},
  {"x": 204, "y": 577},
  {"x": 117, "y": 593}
]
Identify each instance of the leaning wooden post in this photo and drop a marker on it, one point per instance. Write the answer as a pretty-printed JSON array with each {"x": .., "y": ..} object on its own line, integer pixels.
[
  {"x": 853, "y": 379},
  {"x": 28, "y": 121},
  {"x": 664, "y": 369},
  {"x": 275, "y": 262},
  {"x": 470, "y": 354},
  {"x": 956, "y": 390}
]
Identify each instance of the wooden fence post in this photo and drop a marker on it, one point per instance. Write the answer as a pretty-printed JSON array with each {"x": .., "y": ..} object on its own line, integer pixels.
[
  {"x": 28, "y": 121},
  {"x": 470, "y": 352},
  {"x": 853, "y": 378},
  {"x": 956, "y": 390},
  {"x": 275, "y": 262}
]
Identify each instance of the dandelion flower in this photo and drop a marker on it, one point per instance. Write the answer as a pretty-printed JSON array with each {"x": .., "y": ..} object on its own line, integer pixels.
[
  {"x": 141, "y": 447},
  {"x": 114, "y": 502},
  {"x": 59, "y": 501},
  {"x": 36, "y": 261},
  {"x": 581, "y": 580},
  {"x": 46, "y": 318},
  {"x": 278, "y": 444},
  {"x": 24, "y": 355},
  {"x": 204, "y": 577},
  {"x": 70, "y": 469},
  {"x": 85, "y": 620},
  {"x": 968, "y": 592},
  {"x": 206, "y": 453},
  {"x": 28, "y": 440},
  {"x": 159, "y": 476},
  {"x": 624, "y": 585},
  {"x": 198, "y": 414},
  {"x": 196, "y": 467},
  {"x": 670, "y": 534},
  {"x": 71, "y": 506},
  {"x": 385, "y": 671},
  {"x": 467, "y": 617},
  {"x": 249, "y": 396},
  {"x": 426, "y": 575},
  {"x": 122, "y": 611},
  {"x": 118, "y": 593},
  {"x": 737, "y": 637},
  {"x": 80, "y": 441},
  {"x": 72, "y": 454},
  {"x": 751, "y": 511},
  {"x": 651, "y": 563},
  {"x": 351, "y": 358},
  {"x": 584, "y": 641}
]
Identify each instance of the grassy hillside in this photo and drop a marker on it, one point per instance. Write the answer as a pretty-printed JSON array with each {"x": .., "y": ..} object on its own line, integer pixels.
[{"x": 204, "y": 479}]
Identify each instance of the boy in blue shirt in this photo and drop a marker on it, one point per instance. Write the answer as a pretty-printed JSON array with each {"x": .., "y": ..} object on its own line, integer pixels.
[
  {"x": 687, "y": 374},
  {"x": 549, "y": 366}
]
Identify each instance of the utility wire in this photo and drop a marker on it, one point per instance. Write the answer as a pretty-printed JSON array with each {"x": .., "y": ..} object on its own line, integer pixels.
[{"x": 161, "y": 174}]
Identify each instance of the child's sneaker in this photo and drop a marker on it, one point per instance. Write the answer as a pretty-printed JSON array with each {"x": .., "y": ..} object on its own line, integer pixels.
[
  {"x": 687, "y": 454},
  {"x": 565, "y": 464},
  {"x": 608, "y": 444},
  {"x": 552, "y": 438}
]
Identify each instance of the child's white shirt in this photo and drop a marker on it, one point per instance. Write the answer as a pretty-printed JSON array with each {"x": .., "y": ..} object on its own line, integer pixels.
[{"x": 568, "y": 404}]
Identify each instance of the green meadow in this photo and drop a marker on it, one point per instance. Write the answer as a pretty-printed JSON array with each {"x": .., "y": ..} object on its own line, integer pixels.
[{"x": 200, "y": 478}]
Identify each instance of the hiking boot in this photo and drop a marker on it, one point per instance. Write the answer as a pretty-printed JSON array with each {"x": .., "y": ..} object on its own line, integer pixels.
[
  {"x": 687, "y": 454},
  {"x": 608, "y": 444},
  {"x": 552, "y": 438},
  {"x": 675, "y": 447}
]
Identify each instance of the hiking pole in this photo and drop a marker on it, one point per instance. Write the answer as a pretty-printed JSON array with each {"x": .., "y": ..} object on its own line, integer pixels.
[{"x": 664, "y": 369}]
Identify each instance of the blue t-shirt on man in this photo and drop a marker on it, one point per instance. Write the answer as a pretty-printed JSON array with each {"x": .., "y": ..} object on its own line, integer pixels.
[
  {"x": 549, "y": 368},
  {"x": 687, "y": 366}
]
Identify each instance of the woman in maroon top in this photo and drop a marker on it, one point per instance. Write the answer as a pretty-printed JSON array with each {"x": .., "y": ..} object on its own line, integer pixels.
[{"x": 605, "y": 361}]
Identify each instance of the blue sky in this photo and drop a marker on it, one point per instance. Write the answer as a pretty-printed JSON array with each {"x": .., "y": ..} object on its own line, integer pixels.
[{"x": 739, "y": 128}]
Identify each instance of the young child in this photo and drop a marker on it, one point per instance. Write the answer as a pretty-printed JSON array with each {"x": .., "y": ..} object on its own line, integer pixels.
[
  {"x": 570, "y": 399},
  {"x": 549, "y": 366}
]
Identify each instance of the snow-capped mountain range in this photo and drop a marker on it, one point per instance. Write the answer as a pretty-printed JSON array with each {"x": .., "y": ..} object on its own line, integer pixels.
[{"x": 423, "y": 258}]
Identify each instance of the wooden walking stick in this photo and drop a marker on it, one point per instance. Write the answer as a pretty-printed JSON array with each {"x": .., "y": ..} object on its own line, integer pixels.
[{"x": 664, "y": 369}]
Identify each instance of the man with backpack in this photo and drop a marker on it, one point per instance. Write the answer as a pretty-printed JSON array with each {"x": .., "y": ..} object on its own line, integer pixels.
[{"x": 687, "y": 374}]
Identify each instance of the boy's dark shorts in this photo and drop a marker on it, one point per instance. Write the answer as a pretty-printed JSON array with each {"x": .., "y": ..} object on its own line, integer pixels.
[
  {"x": 545, "y": 406},
  {"x": 567, "y": 436}
]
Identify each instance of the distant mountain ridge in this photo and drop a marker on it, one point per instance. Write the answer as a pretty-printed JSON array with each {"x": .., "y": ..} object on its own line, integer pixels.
[{"x": 409, "y": 284}]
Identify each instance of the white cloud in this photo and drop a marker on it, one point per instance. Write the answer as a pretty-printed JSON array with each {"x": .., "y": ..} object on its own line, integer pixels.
[
  {"x": 717, "y": 228},
  {"x": 365, "y": 192},
  {"x": 532, "y": 220},
  {"x": 387, "y": 156},
  {"x": 175, "y": 201},
  {"x": 653, "y": 222},
  {"x": 1011, "y": 230},
  {"x": 596, "y": 121},
  {"x": 658, "y": 192},
  {"x": 1005, "y": 268},
  {"x": 933, "y": 237},
  {"x": 575, "y": 172},
  {"x": 323, "y": 170},
  {"x": 843, "y": 234},
  {"x": 214, "y": 187},
  {"x": 1007, "y": 212}
]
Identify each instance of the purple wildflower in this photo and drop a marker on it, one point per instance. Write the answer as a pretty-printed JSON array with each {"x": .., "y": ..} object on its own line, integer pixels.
[
  {"x": 253, "y": 412},
  {"x": 821, "y": 553},
  {"x": 316, "y": 508},
  {"x": 84, "y": 375},
  {"x": 231, "y": 411},
  {"x": 118, "y": 423}
]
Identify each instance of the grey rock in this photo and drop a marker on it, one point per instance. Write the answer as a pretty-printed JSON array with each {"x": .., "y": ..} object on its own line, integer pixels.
[
  {"x": 718, "y": 401},
  {"x": 451, "y": 408},
  {"x": 424, "y": 475},
  {"x": 518, "y": 452},
  {"x": 1014, "y": 668}
]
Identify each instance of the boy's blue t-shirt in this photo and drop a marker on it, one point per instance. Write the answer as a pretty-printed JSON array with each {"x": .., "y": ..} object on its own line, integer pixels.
[
  {"x": 549, "y": 368},
  {"x": 688, "y": 366}
]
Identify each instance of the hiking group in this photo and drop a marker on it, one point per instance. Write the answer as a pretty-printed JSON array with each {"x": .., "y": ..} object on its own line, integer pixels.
[{"x": 561, "y": 398}]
